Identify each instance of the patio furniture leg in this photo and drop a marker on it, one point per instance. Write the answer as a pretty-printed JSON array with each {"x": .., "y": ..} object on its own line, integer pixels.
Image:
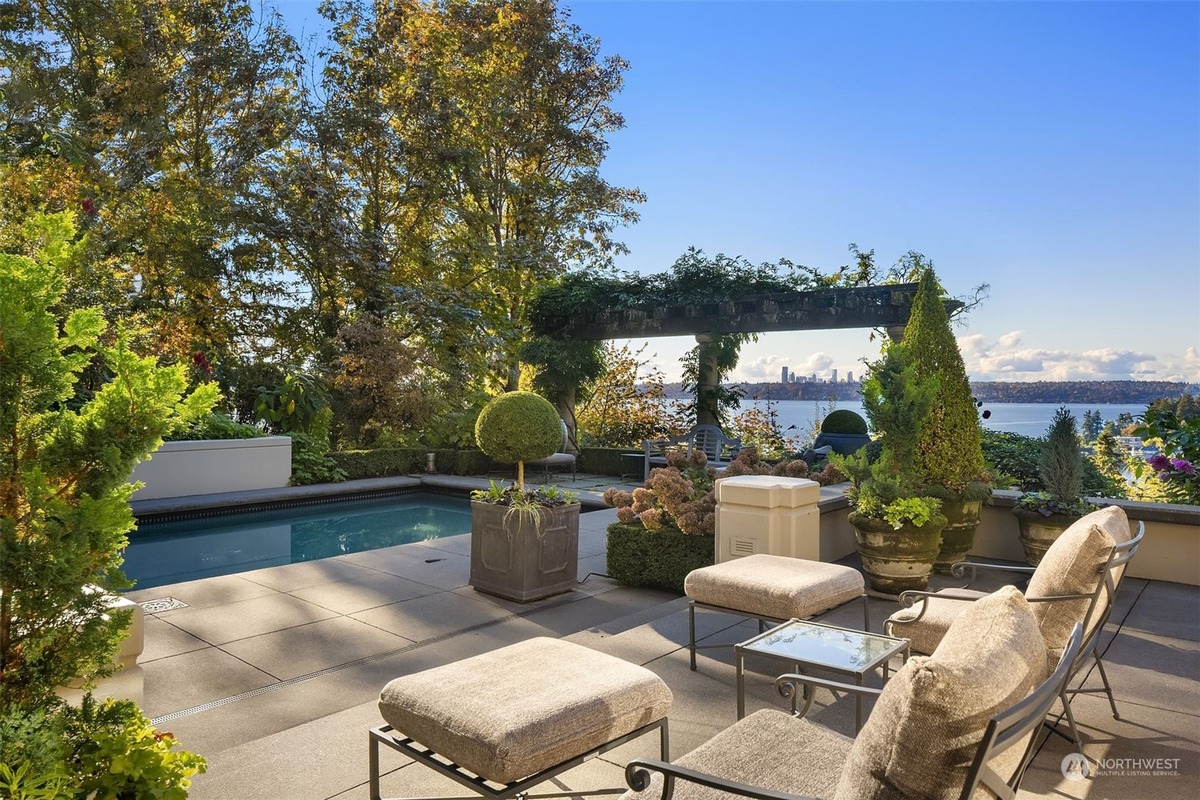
[
  {"x": 1070, "y": 718},
  {"x": 866, "y": 614},
  {"x": 692, "y": 633},
  {"x": 373, "y": 765},
  {"x": 1107, "y": 687}
]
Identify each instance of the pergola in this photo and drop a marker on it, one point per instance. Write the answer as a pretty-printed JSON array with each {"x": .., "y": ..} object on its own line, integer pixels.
[{"x": 886, "y": 307}]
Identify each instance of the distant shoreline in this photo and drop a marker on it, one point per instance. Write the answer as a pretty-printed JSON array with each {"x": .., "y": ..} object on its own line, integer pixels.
[{"x": 1102, "y": 392}]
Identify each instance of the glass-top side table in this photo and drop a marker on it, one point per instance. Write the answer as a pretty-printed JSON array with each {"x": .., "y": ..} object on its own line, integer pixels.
[{"x": 801, "y": 644}]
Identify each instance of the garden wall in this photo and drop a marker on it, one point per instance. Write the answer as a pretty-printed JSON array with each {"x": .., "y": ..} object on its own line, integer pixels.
[{"x": 210, "y": 466}]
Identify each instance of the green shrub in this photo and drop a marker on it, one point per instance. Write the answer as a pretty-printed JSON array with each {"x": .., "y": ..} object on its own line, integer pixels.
[
  {"x": 607, "y": 461},
  {"x": 391, "y": 461},
  {"x": 214, "y": 426},
  {"x": 31, "y": 755},
  {"x": 517, "y": 427},
  {"x": 844, "y": 421},
  {"x": 656, "y": 560},
  {"x": 113, "y": 752},
  {"x": 311, "y": 461}
]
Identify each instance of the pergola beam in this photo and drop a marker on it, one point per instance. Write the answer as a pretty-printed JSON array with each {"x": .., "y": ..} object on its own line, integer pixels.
[{"x": 819, "y": 309}]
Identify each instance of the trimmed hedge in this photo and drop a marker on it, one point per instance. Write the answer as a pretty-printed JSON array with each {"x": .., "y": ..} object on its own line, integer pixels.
[
  {"x": 657, "y": 560},
  {"x": 386, "y": 462},
  {"x": 607, "y": 461}
]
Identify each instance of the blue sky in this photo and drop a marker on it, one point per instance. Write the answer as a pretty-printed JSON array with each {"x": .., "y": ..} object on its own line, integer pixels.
[{"x": 1051, "y": 150}]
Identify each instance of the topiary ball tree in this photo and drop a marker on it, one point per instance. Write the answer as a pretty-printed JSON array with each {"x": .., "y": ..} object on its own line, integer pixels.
[
  {"x": 517, "y": 427},
  {"x": 844, "y": 421},
  {"x": 951, "y": 448}
]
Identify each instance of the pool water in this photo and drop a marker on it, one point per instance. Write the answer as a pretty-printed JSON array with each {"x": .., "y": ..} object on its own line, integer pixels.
[{"x": 171, "y": 552}]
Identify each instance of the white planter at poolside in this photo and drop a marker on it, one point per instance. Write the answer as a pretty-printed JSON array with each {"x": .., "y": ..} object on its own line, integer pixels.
[{"x": 209, "y": 466}]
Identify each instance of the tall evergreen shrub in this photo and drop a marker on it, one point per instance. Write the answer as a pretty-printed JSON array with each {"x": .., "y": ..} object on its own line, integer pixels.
[
  {"x": 951, "y": 451},
  {"x": 64, "y": 471}
]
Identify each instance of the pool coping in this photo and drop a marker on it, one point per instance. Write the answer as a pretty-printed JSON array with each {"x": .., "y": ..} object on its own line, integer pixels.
[{"x": 253, "y": 499}]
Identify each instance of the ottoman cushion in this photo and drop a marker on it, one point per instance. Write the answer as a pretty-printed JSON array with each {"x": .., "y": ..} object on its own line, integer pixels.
[
  {"x": 513, "y": 712},
  {"x": 774, "y": 586}
]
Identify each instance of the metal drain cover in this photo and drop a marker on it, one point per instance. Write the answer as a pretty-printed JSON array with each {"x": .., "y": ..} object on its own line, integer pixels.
[{"x": 162, "y": 604}]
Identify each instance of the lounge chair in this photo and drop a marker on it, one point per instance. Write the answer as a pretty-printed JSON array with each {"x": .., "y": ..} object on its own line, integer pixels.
[
  {"x": 959, "y": 723},
  {"x": 1076, "y": 581}
]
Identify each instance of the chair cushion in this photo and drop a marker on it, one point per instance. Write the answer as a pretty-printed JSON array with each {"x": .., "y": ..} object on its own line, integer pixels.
[
  {"x": 769, "y": 750},
  {"x": 774, "y": 586},
  {"x": 926, "y": 633},
  {"x": 1072, "y": 566},
  {"x": 515, "y": 711},
  {"x": 927, "y": 724}
]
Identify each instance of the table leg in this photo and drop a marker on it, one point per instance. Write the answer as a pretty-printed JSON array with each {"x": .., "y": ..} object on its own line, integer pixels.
[
  {"x": 858, "y": 698},
  {"x": 741, "y": 683}
]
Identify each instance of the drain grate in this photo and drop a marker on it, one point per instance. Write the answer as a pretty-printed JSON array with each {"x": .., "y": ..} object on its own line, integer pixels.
[{"x": 161, "y": 604}]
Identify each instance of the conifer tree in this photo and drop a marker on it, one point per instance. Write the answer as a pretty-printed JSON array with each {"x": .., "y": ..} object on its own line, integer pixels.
[
  {"x": 64, "y": 470},
  {"x": 951, "y": 450}
]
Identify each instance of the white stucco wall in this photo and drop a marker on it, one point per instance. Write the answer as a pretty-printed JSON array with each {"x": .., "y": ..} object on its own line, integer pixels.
[{"x": 209, "y": 466}]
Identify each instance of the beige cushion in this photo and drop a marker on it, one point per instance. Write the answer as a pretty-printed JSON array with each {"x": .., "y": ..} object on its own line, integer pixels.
[
  {"x": 774, "y": 586},
  {"x": 769, "y": 750},
  {"x": 926, "y": 725},
  {"x": 515, "y": 711},
  {"x": 1072, "y": 566},
  {"x": 926, "y": 633}
]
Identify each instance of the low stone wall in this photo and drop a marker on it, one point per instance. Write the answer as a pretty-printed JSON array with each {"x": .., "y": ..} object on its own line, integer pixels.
[
  {"x": 211, "y": 466},
  {"x": 1170, "y": 551}
]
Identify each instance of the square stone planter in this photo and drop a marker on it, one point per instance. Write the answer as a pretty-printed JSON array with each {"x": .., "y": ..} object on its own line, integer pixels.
[{"x": 518, "y": 558}]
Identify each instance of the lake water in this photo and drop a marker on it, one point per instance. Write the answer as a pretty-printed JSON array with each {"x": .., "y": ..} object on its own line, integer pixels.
[{"x": 1028, "y": 419}]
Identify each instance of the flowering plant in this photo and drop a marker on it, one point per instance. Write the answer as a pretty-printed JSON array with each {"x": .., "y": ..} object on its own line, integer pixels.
[
  {"x": 682, "y": 494},
  {"x": 1178, "y": 439}
]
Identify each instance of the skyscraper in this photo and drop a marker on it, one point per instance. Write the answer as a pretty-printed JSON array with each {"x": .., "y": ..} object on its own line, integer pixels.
[
  {"x": 784, "y": 378},
  {"x": 834, "y": 378}
]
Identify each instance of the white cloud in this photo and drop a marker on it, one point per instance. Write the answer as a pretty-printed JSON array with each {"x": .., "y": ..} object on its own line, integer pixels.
[
  {"x": 1010, "y": 339},
  {"x": 769, "y": 368},
  {"x": 996, "y": 361}
]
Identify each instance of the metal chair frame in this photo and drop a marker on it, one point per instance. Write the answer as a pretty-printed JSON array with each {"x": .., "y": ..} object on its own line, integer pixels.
[
  {"x": 1003, "y": 731},
  {"x": 384, "y": 734},
  {"x": 1112, "y": 572}
]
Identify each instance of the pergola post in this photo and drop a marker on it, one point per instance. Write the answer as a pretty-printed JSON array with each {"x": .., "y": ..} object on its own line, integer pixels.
[{"x": 706, "y": 381}]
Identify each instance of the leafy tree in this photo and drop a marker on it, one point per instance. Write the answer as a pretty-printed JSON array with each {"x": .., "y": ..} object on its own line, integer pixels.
[
  {"x": 1108, "y": 457},
  {"x": 564, "y": 367},
  {"x": 626, "y": 404},
  {"x": 64, "y": 491},
  {"x": 473, "y": 133}
]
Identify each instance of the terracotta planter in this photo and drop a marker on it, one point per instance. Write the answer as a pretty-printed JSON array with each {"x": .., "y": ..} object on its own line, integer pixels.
[
  {"x": 520, "y": 558},
  {"x": 896, "y": 560},
  {"x": 1039, "y": 532},
  {"x": 958, "y": 537}
]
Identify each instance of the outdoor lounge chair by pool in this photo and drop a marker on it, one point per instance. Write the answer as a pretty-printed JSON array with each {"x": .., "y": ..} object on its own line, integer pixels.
[{"x": 959, "y": 723}]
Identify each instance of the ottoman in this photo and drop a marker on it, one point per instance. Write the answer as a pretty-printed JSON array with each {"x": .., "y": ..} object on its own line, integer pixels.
[
  {"x": 507, "y": 720},
  {"x": 771, "y": 589}
]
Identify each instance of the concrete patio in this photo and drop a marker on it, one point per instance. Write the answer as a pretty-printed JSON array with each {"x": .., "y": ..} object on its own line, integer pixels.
[{"x": 273, "y": 675}]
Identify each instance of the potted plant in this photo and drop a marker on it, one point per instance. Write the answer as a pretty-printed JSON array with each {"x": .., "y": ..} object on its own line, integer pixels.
[
  {"x": 950, "y": 453},
  {"x": 524, "y": 543},
  {"x": 844, "y": 431},
  {"x": 1043, "y": 516},
  {"x": 897, "y": 521}
]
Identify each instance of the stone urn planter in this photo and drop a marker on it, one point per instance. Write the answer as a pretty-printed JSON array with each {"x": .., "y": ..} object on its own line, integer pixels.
[
  {"x": 958, "y": 537},
  {"x": 1039, "y": 531},
  {"x": 896, "y": 559},
  {"x": 524, "y": 556}
]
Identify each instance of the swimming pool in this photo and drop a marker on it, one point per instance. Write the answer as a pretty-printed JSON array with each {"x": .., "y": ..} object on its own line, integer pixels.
[{"x": 161, "y": 553}]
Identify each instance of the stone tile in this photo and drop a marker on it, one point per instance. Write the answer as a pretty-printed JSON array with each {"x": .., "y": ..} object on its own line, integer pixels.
[
  {"x": 201, "y": 676},
  {"x": 432, "y": 615},
  {"x": 592, "y": 542},
  {"x": 205, "y": 593},
  {"x": 367, "y": 590},
  {"x": 1166, "y": 609},
  {"x": 292, "y": 577},
  {"x": 459, "y": 545},
  {"x": 227, "y": 623},
  {"x": 438, "y": 568},
  {"x": 164, "y": 640},
  {"x": 308, "y": 648},
  {"x": 513, "y": 607}
]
